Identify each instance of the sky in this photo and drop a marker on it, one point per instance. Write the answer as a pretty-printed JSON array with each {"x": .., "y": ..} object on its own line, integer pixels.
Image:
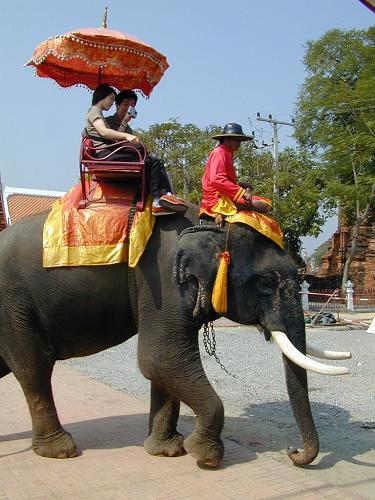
[{"x": 228, "y": 61}]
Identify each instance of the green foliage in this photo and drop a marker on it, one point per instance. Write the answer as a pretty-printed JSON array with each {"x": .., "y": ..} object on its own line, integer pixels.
[
  {"x": 184, "y": 150},
  {"x": 336, "y": 117},
  {"x": 299, "y": 185}
]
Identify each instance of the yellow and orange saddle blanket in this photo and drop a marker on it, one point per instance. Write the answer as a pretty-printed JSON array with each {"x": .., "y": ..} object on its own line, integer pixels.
[
  {"x": 98, "y": 234},
  {"x": 262, "y": 223}
]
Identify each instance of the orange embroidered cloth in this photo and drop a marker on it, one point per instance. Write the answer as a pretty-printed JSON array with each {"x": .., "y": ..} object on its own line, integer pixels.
[
  {"x": 262, "y": 223},
  {"x": 97, "y": 234}
]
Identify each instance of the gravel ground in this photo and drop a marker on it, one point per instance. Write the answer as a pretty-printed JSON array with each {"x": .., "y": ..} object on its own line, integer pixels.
[{"x": 256, "y": 403}]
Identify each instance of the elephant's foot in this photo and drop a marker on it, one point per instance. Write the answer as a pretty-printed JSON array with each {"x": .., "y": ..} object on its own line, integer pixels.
[
  {"x": 206, "y": 453},
  {"x": 57, "y": 444},
  {"x": 170, "y": 447}
]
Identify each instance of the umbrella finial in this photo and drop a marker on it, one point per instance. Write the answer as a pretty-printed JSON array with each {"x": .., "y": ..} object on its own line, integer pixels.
[{"x": 104, "y": 22}]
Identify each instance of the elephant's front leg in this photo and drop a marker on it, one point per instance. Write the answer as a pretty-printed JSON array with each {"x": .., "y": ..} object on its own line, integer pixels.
[
  {"x": 163, "y": 438},
  {"x": 205, "y": 443},
  {"x": 176, "y": 367}
]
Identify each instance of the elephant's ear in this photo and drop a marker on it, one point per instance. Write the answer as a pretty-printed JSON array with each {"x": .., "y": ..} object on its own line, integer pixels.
[{"x": 197, "y": 258}]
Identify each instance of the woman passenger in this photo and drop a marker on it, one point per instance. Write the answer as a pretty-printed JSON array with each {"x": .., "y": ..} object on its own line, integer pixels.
[{"x": 97, "y": 129}]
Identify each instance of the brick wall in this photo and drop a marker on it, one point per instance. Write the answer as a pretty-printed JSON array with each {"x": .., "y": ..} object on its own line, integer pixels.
[{"x": 362, "y": 271}]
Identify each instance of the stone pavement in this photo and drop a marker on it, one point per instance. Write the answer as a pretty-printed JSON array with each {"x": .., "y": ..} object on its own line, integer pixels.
[{"x": 110, "y": 427}]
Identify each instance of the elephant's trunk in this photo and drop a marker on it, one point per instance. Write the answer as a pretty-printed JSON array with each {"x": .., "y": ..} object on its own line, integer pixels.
[{"x": 296, "y": 381}]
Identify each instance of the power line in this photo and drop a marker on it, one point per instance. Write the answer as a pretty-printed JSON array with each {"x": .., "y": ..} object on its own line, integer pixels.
[
  {"x": 276, "y": 125},
  {"x": 356, "y": 101},
  {"x": 338, "y": 108},
  {"x": 260, "y": 132}
]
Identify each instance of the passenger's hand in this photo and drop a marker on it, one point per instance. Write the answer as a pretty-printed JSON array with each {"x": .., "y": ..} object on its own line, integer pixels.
[
  {"x": 132, "y": 138},
  {"x": 125, "y": 121}
]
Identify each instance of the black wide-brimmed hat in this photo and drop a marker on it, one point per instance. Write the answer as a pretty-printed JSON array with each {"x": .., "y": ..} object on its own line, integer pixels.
[{"x": 233, "y": 130}]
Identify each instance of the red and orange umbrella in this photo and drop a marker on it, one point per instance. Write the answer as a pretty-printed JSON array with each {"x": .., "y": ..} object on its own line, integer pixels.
[
  {"x": 91, "y": 56},
  {"x": 369, "y": 3}
]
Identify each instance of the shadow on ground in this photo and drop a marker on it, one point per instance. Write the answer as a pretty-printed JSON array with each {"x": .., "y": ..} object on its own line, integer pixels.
[
  {"x": 270, "y": 427},
  {"x": 267, "y": 427}
]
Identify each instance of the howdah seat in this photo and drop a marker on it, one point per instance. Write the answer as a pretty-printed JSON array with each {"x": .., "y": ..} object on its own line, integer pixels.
[{"x": 106, "y": 169}]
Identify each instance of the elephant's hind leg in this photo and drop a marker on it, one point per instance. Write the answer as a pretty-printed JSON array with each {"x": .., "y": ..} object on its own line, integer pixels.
[
  {"x": 34, "y": 375},
  {"x": 163, "y": 439},
  {"x": 49, "y": 438}
]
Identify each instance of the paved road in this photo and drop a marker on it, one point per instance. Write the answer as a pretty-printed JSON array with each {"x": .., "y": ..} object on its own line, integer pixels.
[
  {"x": 258, "y": 414},
  {"x": 109, "y": 428},
  {"x": 110, "y": 425}
]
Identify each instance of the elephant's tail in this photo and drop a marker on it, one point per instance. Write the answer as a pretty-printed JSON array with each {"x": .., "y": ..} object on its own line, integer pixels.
[{"x": 4, "y": 369}]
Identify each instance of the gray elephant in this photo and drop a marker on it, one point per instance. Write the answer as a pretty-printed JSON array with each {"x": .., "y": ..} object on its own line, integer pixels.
[{"x": 59, "y": 313}]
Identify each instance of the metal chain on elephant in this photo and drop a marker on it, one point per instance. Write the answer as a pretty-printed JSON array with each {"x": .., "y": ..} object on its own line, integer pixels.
[{"x": 209, "y": 342}]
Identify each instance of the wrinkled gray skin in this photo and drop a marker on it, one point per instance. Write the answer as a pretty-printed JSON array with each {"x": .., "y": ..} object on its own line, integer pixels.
[{"x": 54, "y": 314}]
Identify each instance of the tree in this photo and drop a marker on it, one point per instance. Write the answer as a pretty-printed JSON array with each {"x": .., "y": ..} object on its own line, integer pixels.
[
  {"x": 184, "y": 150},
  {"x": 299, "y": 184},
  {"x": 335, "y": 121}
]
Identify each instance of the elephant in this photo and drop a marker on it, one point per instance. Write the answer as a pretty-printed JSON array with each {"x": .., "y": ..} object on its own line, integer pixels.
[{"x": 50, "y": 314}]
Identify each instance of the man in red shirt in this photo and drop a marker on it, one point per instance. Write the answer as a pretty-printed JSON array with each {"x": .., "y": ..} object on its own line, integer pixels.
[{"x": 219, "y": 181}]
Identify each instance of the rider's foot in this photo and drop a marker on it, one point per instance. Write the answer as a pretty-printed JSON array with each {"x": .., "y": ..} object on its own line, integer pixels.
[
  {"x": 161, "y": 211},
  {"x": 171, "y": 202}
]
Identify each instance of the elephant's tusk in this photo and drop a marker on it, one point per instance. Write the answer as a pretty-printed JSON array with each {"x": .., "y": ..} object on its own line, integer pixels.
[
  {"x": 303, "y": 361},
  {"x": 323, "y": 354}
]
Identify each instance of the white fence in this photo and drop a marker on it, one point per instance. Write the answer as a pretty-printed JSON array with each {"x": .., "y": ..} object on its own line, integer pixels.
[{"x": 337, "y": 300}]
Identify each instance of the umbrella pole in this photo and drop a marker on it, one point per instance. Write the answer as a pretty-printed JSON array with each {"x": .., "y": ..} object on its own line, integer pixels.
[
  {"x": 104, "y": 22},
  {"x": 104, "y": 26}
]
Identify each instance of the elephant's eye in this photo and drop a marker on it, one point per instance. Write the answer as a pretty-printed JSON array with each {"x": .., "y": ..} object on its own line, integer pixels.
[{"x": 267, "y": 283}]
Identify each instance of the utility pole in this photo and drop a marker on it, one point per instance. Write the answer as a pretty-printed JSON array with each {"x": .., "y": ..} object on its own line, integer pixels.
[{"x": 275, "y": 124}]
